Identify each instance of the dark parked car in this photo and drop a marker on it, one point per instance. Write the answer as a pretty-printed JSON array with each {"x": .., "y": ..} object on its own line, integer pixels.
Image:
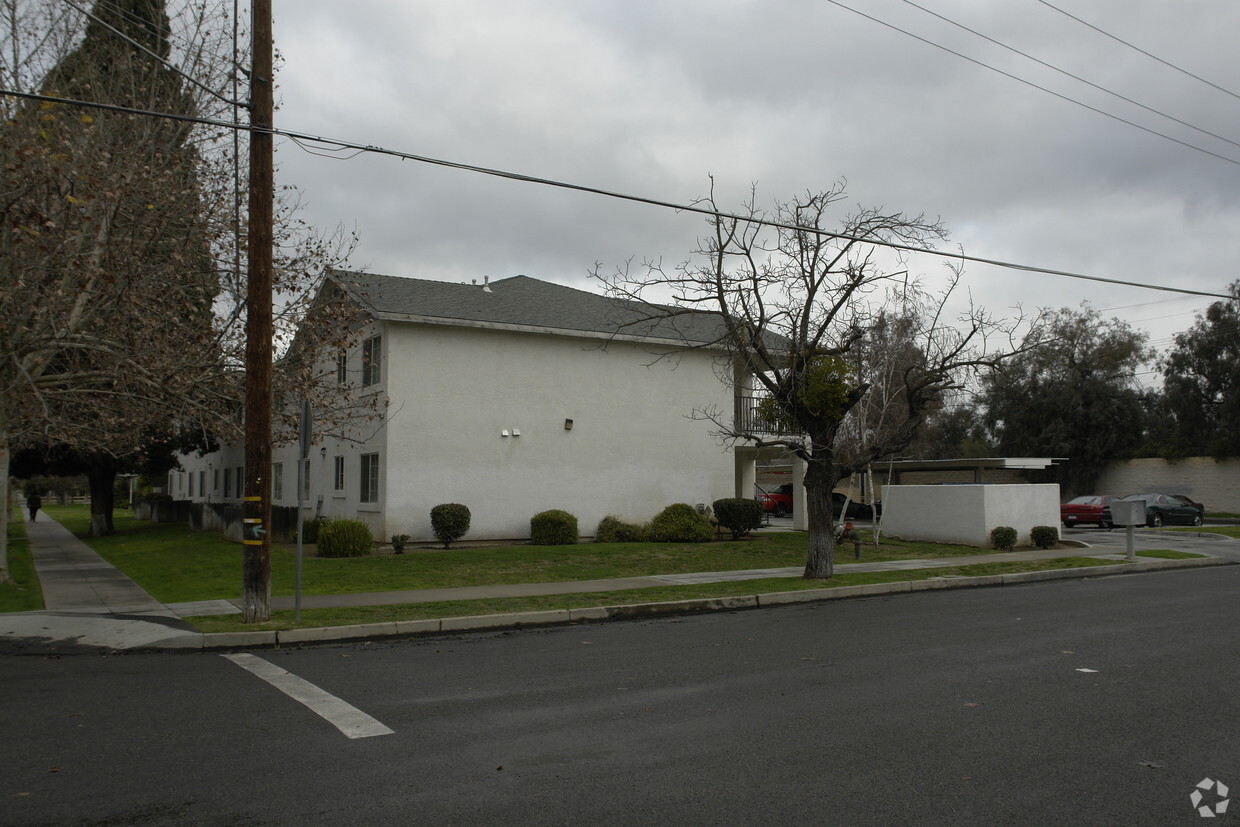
[
  {"x": 1086, "y": 509},
  {"x": 1169, "y": 509},
  {"x": 856, "y": 510}
]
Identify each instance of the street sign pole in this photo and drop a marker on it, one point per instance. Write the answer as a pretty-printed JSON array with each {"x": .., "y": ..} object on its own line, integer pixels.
[{"x": 303, "y": 456}]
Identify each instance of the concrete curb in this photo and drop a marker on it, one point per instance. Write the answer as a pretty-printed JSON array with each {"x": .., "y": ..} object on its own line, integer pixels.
[{"x": 517, "y": 620}]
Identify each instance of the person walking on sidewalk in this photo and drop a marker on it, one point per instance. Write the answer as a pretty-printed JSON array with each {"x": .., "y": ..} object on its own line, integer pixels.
[{"x": 34, "y": 502}]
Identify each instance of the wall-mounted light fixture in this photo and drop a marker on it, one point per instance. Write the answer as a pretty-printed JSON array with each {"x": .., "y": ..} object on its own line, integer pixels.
[
  {"x": 568, "y": 424},
  {"x": 323, "y": 452}
]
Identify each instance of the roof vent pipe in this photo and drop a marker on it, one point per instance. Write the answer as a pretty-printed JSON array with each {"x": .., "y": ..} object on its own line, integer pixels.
[{"x": 486, "y": 284}]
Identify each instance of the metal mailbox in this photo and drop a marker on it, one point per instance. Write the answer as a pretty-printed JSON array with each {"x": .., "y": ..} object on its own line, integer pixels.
[{"x": 1128, "y": 512}]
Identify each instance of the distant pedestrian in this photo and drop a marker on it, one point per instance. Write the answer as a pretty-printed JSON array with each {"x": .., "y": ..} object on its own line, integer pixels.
[{"x": 34, "y": 502}]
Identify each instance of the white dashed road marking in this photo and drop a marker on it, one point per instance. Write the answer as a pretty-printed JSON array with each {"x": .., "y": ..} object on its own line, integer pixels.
[{"x": 345, "y": 717}]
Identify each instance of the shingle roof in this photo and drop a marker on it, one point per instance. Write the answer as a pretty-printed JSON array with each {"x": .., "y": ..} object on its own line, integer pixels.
[{"x": 525, "y": 303}]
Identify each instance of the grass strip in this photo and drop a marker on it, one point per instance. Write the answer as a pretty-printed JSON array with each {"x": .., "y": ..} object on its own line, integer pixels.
[
  {"x": 1225, "y": 530},
  {"x": 311, "y": 618},
  {"x": 175, "y": 564},
  {"x": 23, "y": 593},
  {"x": 1168, "y": 554}
]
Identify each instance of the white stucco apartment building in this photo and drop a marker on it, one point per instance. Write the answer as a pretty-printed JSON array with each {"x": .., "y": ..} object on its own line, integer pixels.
[{"x": 511, "y": 397}]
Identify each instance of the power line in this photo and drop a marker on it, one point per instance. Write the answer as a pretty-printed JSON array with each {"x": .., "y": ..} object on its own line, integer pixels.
[
  {"x": 148, "y": 52},
  {"x": 1075, "y": 77},
  {"x": 1166, "y": 63},
  {"x": 299, "y": 137},
  {"x": 1033, "y": 85}
]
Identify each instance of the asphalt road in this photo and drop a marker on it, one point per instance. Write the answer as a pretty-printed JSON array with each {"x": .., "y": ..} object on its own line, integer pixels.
[{"x": 964, "y": 707}]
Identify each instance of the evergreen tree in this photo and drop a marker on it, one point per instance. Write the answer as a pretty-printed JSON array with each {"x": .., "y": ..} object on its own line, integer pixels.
[
  {"x": 1073, "y": 395},
  {"x": 1201, "y": 391}
]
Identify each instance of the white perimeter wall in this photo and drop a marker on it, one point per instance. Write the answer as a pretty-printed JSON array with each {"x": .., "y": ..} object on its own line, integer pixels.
[
  {"x": 632, "y": 449},
  {"x": 967, "y": 513},
  {"x": 1214, "y": 483}
]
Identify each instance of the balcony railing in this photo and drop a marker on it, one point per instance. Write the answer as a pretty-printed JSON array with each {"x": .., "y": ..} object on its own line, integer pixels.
[{"x": 750, "y": 421}]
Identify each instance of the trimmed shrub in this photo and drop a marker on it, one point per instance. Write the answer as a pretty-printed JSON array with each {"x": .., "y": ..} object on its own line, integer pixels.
[
  {"x": 553, "y": 528},
  {"x": 449, "y": 521},
  {"x": 680, "y": 523},
  {"x": 309, "y": 529},
  {"x": 1044, "y": 536},
  {"x": 740, "y": 516},
  {"x": 399, "y": 541},
  {"x": 345, "y": 538},
  {"x": 1003, "y": 538},
  {"x": 614, "y": 530}
]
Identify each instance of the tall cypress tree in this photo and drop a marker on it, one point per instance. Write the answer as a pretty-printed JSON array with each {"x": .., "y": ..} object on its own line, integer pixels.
[{"x": 108, "y": 334}]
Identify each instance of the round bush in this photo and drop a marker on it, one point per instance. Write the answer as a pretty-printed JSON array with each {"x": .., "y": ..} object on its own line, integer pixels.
[
  {"x": 449, "y": 521},
  {"x": 553, "y": 528},
  {"x": 1003, "y": 538},
  {"x": 740, "y": 516},
  {"x": 344, "y": 538},
  {"x": 680, "y": 523},
  {"x": 310, "y": 529},
  {"x": 614, "y": 530},
  {"x": 1044, "y": 536}
]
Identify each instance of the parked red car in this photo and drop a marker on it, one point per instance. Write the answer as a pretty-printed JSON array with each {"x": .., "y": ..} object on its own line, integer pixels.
[
  {"x": 1087, "y": 509},
  {"x": 779, "y": 501}
]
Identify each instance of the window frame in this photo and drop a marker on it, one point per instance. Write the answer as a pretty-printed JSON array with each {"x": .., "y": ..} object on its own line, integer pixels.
[
  {"x": 368, "y": 483},
  {"x": 372, "y": 360}
]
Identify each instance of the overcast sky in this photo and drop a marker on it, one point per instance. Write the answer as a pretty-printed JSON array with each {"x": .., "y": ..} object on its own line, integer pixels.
[{"x": 791, "y": 95}]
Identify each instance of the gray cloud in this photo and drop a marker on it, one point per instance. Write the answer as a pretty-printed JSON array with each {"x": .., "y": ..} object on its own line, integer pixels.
[{"x": 790, "y": 94}]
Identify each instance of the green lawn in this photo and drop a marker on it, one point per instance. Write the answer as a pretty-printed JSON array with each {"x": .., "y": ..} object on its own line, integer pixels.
[
  {"x": 456, "y": 608},
  {"x": 176, "y": 565},
  {"x": 23, "y": 594},
  {"x": 1167, "y": 554},
  {"x": 1226, "y": 530}
]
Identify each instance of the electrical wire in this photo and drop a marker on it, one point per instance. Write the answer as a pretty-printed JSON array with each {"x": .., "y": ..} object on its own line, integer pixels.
[
  {"x": 1075, "y": 77},
  {"x": 163, "y": 61},
  {"x": 695, "y": 207},
  {"x": 1033, "y": 85},
  {"x": 1166, "y": 63}
]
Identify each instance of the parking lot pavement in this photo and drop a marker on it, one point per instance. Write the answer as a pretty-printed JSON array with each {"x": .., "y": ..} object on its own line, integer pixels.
[{"x": 1201, "y": 541}]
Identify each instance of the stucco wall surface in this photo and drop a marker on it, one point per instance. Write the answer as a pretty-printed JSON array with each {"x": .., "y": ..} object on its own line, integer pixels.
[
  {"x": 632, "y": 448},
  {"x": 967, "y": 513}
]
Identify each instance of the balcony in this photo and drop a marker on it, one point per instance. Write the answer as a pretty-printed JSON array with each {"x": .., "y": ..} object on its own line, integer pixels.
[{"x": 750, "y": 421}]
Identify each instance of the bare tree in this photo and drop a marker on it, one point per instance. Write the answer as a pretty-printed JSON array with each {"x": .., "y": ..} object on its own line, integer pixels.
[{"x": 845, "y": 351}]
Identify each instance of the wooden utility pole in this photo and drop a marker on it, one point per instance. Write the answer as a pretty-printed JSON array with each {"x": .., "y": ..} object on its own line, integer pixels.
[{"x": 258, "y": 350}]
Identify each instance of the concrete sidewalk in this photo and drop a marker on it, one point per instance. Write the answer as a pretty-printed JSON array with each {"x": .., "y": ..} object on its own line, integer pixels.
[
  {"x": 92, "y": 606},
  {"x": 89, "y": 604}
]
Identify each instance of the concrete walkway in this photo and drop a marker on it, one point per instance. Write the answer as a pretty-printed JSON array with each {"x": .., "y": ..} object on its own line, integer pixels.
[
  {"x": 74, "y": 577},
  {"x": 92, "y": 606},
  {"x": 88, "y": 603}
]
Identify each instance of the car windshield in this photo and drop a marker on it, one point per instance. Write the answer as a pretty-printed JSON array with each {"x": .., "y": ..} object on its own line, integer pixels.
[{"x": 1146, "y": 497}]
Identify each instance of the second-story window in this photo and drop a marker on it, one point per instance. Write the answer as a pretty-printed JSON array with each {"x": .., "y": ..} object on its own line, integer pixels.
[{"x": 372, "y": 360}]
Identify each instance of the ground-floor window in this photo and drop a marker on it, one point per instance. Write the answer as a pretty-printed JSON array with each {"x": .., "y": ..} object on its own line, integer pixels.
[
  {"x": 339, "y": 475},
  {"x": 370, "y": 478},
  {"x": 277, "y": 481}
]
